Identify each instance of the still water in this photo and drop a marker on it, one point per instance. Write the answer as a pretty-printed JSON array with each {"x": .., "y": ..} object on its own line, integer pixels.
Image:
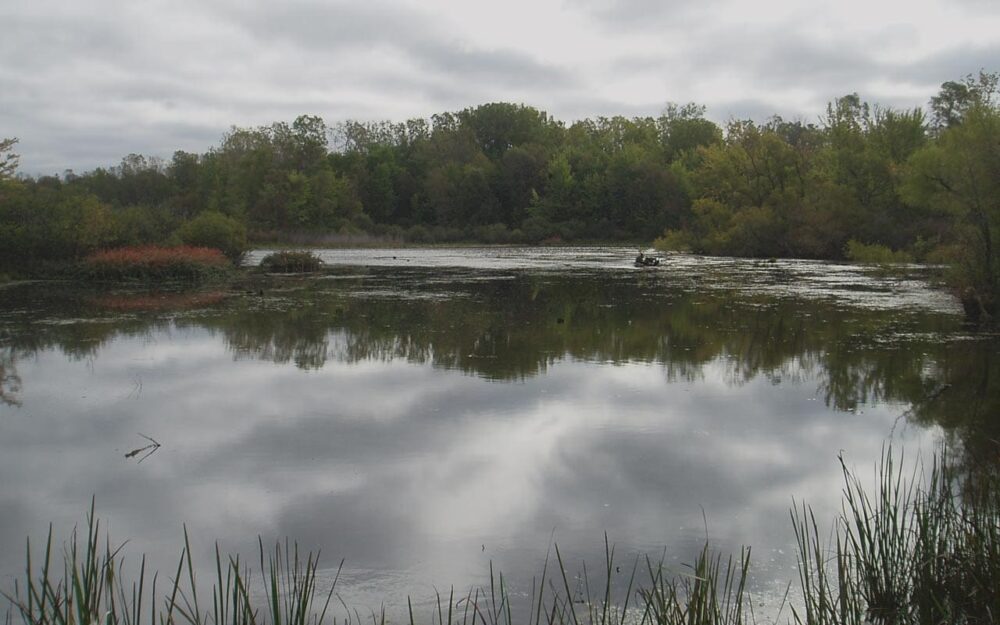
[{"x": 423, "y": 413}]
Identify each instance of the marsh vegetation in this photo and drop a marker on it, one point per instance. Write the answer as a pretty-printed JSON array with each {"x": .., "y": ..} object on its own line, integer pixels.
[{"x": 914, "y": 549}]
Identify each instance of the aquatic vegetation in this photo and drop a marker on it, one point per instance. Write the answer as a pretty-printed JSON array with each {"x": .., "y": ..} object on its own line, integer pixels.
[
  {"x": 93, "y": 590},
  {"x": 149, "y": 302},
  {"x": 289, "y": 261},
  {"x": 151, "y": 262},
  {"x": 912, "y": 551}
]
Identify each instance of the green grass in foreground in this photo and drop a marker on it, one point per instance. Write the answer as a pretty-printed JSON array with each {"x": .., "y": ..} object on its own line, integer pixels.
[{"x": 913, "y": 551}]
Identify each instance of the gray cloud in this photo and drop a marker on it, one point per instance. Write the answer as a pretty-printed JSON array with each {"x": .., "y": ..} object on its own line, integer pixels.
[
  {"x": 979, "y": 7},
  {"x": 756, "y": 110},
  {"x": 951, "y": 64},
  {"x": 646, "y": 15},
  {"x": 131, "y": 84},
  {"x": 578, "y": 106},
  {"x": 777, "y": 56},
  {"x": 330, "y": 27},
  {"x": 417, "y": 37},
  {"x": 508, "y": 68},
  {"x": 83, "y": 86}
]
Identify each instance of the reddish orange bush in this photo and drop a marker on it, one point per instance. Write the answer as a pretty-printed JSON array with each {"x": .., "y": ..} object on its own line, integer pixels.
[
  {"x": 155, "y": 255},
  {"x": 154, "y": 262}
]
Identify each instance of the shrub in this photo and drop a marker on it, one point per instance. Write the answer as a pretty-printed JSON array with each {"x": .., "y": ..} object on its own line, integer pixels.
[
  {"x": 212, "y": 229},
  {"x": 141, "y": 225},
  {"x": 287, "y": 261},
  {"x": 674, "y": 241},
  {"x": 418, "y": 234},
  {"x": 537, "y": 228},
  {"x": 155, "y": 263},
  {"x": 493, "y": 233},
  {"x": 861, "y": 253}
]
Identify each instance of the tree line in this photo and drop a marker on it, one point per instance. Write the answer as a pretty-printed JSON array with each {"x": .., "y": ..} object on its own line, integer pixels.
[{"x": 863, "y": 181}]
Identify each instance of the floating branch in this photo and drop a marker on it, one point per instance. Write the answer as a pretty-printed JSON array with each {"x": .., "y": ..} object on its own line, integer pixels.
[{"x": 147, "y": 451}]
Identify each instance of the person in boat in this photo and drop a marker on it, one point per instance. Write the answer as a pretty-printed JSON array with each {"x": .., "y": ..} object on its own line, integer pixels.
[{"x": 640, "y": 259}]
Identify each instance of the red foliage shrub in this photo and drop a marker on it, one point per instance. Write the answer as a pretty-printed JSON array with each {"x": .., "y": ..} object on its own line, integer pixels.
[
  {"x": 154, "y": 262},
  {"x": 154, "y": 255}
]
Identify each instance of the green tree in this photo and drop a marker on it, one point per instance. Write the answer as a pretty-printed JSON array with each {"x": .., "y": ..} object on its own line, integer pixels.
[
  {"x": 211, "y": 229},
  {"x": 868, "y": 146},
  {"x": 335, "y": 202},
  {"x": 499, "y": 126},
  {"x": 755, "y": 193},
  {"x": 520, "y": 175},
  {"x": 8, "y": 159},
  {"x": 185, "y": 174},
  {"x": 959, "y": 175},
  {"x": 641, "y": 195},
  {"x": 683, "y": 129},
  {"x": 956, "y": 97}
]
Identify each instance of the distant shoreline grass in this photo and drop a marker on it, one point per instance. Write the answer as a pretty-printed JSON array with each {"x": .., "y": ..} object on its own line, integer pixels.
[{"x": 912, "y": 551}]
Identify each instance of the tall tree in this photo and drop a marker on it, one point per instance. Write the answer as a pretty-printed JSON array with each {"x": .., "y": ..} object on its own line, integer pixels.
[
  {"x": 956, "y": 97},
  {"x": 959, "y": 174},
  {"x": 499, "y": 126},
  {"x": 8, "y": 159},
  {"x": 683, "y": 129}
]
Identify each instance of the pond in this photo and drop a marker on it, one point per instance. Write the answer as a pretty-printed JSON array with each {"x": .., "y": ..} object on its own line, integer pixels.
[{"x": 422, "y": 413}]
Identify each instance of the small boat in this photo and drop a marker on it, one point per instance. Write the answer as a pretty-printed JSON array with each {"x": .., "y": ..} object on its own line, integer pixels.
[{"x": 647, "y": 261}]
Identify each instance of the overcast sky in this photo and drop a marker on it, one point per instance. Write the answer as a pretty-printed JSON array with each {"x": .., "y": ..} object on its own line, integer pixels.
[{"x": 84, "y": 83}]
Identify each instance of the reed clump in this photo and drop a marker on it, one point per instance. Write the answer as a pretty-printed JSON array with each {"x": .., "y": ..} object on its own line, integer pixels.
[
  {"x": 913, "y": 551},
  {"x": 89, "y": 587},
  {"x": 288, "y": 261},
  {"x": 151, "y": 263}
]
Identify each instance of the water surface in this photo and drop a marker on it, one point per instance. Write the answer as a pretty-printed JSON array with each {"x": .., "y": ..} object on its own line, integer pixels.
[{"x": 422, "y": 413}]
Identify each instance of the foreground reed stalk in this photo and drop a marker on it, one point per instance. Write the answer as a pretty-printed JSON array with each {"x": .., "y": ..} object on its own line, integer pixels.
[{"x": 913, "y": 551}]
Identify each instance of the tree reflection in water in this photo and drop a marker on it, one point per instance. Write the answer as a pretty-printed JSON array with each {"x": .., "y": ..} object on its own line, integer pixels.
[{"x": 508, "y": 326}]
